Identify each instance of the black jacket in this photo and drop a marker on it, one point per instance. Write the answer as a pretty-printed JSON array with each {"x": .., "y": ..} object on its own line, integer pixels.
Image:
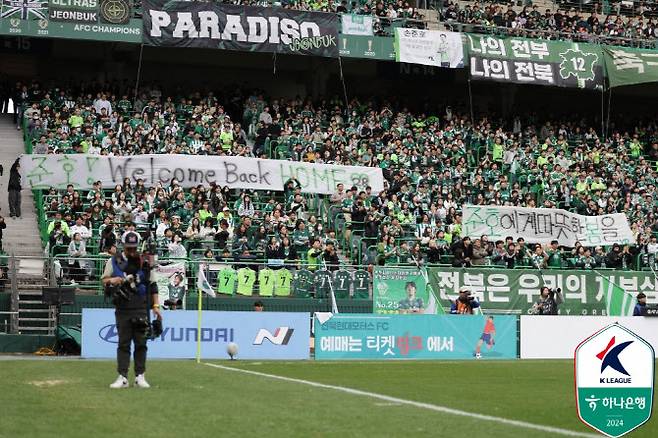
[
  {"x": 331, "y": 259},
  {"x": 14, "y": 177}
]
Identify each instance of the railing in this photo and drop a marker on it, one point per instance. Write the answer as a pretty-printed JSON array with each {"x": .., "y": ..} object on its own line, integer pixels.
[
  {"x": 552, "y": 35},
  {"x": 13, "y": 279},
  {"x": 306, "y": 279}
]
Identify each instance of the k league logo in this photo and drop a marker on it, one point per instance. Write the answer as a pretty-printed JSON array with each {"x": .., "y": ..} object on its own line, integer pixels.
[
  {"x": 610, "y": 358},
  {"x": 614, "y": 376}
]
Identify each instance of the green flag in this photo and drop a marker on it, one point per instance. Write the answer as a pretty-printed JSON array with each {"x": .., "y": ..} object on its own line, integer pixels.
[
  {"x": 617, "y": 301},
  {"x": 434, "y": 306}
]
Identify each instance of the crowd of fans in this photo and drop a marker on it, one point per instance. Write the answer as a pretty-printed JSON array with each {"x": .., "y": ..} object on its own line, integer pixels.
[
  {"x": 433, "y": 162},
  {"x": 533, "y": 22}
]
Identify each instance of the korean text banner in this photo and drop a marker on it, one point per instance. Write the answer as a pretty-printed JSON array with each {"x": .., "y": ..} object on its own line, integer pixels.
[
  {"x": 516, "y": 290},
  {"x": 429, "y": 47},
  {"x": 235, "y": 27},
  {"x": 352, "y": 24},
  {"x": 43, "y": 171},
  {"x": 627, "y": 66},
  {"x": 400, "y": 290},
  {"x": 102, "y": 20},
  {"x": 543, "y": 225},
  {"x": 259, "y": 335},
  {"x": 538, "y": 62},
  {"x": 442, "y": 337}
]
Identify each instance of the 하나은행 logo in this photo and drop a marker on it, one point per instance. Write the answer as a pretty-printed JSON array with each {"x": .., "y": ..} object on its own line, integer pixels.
[{"x": 614, "y": 371}]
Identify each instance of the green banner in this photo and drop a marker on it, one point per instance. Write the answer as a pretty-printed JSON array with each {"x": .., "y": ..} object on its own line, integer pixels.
[
  {"x": 516, "y": 290},
  {"x": 402, "y": 290},
  {"x": 630, "y": 66},
  {"x": 371, "y": 47},
  {"x": 102, "y": 20},
  {"x": 538, "y": 62}
]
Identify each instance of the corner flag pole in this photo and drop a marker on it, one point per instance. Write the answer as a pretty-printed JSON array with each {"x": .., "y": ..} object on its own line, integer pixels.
[{"x": 334, "y": 306}]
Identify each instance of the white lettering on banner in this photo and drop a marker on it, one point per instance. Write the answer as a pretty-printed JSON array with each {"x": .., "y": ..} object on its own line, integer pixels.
[
  {"x": 60, "y": 15},
  {"x": 487, "y": 45},
  {"x": 340, "y": 344},
  {"x": 234, "y": 28},
  {"x": 90, "y": 4},
  {"x": 440, "y": 343},
  {"x": 43, "y": 171},
  {"x": 543, "y": 225},
  {"x": 429, "y": 47}
]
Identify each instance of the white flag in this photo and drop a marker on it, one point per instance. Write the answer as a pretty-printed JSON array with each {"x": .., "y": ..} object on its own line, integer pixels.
[{"x": 202, "y": 284}]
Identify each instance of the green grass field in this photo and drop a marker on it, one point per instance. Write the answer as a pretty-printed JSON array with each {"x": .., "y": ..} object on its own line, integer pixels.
[{"x": 70, "y": 398}]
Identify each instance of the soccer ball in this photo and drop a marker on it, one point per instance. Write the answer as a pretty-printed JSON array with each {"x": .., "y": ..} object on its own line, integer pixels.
[
  {"x": 478, "y": 356},
  {"x": 232, "y": 350}
]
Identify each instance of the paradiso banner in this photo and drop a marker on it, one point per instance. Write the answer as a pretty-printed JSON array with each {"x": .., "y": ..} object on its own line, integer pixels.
[
  {"x": 103, "y": 20},
  {"x": 359, "y": 336},
  {"x": 429, "y": 47},
  {"x": 43, "y": 171},
  {"x": 516, "y": 290},
  {"x": 627, "y": 66},
  {"x": 352, "y": 24},
  {"x": 400, "y": 290},
  {"x": 543, "y": 225},
  {"x": 236, "y": 27},
  {"x": 538, "y": 62}
]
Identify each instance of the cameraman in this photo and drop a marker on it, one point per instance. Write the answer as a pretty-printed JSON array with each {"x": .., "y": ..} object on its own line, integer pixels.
[
  {"x": 464, "y": 304},
  {"x": 125, "y": 279},
  {"x": 549, "y": 300}
]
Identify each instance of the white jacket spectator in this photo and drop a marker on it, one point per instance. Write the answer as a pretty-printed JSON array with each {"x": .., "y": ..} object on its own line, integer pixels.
[
  {"x": 176, "y": 249},
  {"x": 79, "y": 227},
  {"x": 101, "y": 103},
  {"x": 246, "y": 208}
]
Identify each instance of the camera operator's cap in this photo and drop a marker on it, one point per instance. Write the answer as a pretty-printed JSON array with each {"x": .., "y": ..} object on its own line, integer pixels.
[
  {"x": 130, "y": 239},
  {"x": 465, "y": 291},
  {"x": 641, "y": 295}
]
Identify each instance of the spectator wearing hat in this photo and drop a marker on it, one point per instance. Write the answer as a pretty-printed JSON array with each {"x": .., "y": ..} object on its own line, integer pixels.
[
  {"x": 641, "y": 306},
  {"x": 464, "y": 304}
]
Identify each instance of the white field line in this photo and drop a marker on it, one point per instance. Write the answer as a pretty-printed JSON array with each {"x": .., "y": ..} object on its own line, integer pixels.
[{"x": 428, "y": 406}]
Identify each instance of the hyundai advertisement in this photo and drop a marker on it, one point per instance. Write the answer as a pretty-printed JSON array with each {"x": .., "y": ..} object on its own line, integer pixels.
[{"x": 259, "y": 335}]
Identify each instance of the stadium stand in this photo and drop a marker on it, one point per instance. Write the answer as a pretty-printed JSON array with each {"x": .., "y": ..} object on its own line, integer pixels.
[
  {"x": 618, "y": 23},
  {"x": 433, "y": 163}
]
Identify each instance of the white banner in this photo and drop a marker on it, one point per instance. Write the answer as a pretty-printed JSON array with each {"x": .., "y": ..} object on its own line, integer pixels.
[
  {"x": 356, "y": 24},
  {"x": 556, "y": 337},
  {"x": 43, "y": 171},
  {"x": 543, "y": 225},
  {"x": 171, "y": 281},
  {"x": 429, "y": 47}
]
